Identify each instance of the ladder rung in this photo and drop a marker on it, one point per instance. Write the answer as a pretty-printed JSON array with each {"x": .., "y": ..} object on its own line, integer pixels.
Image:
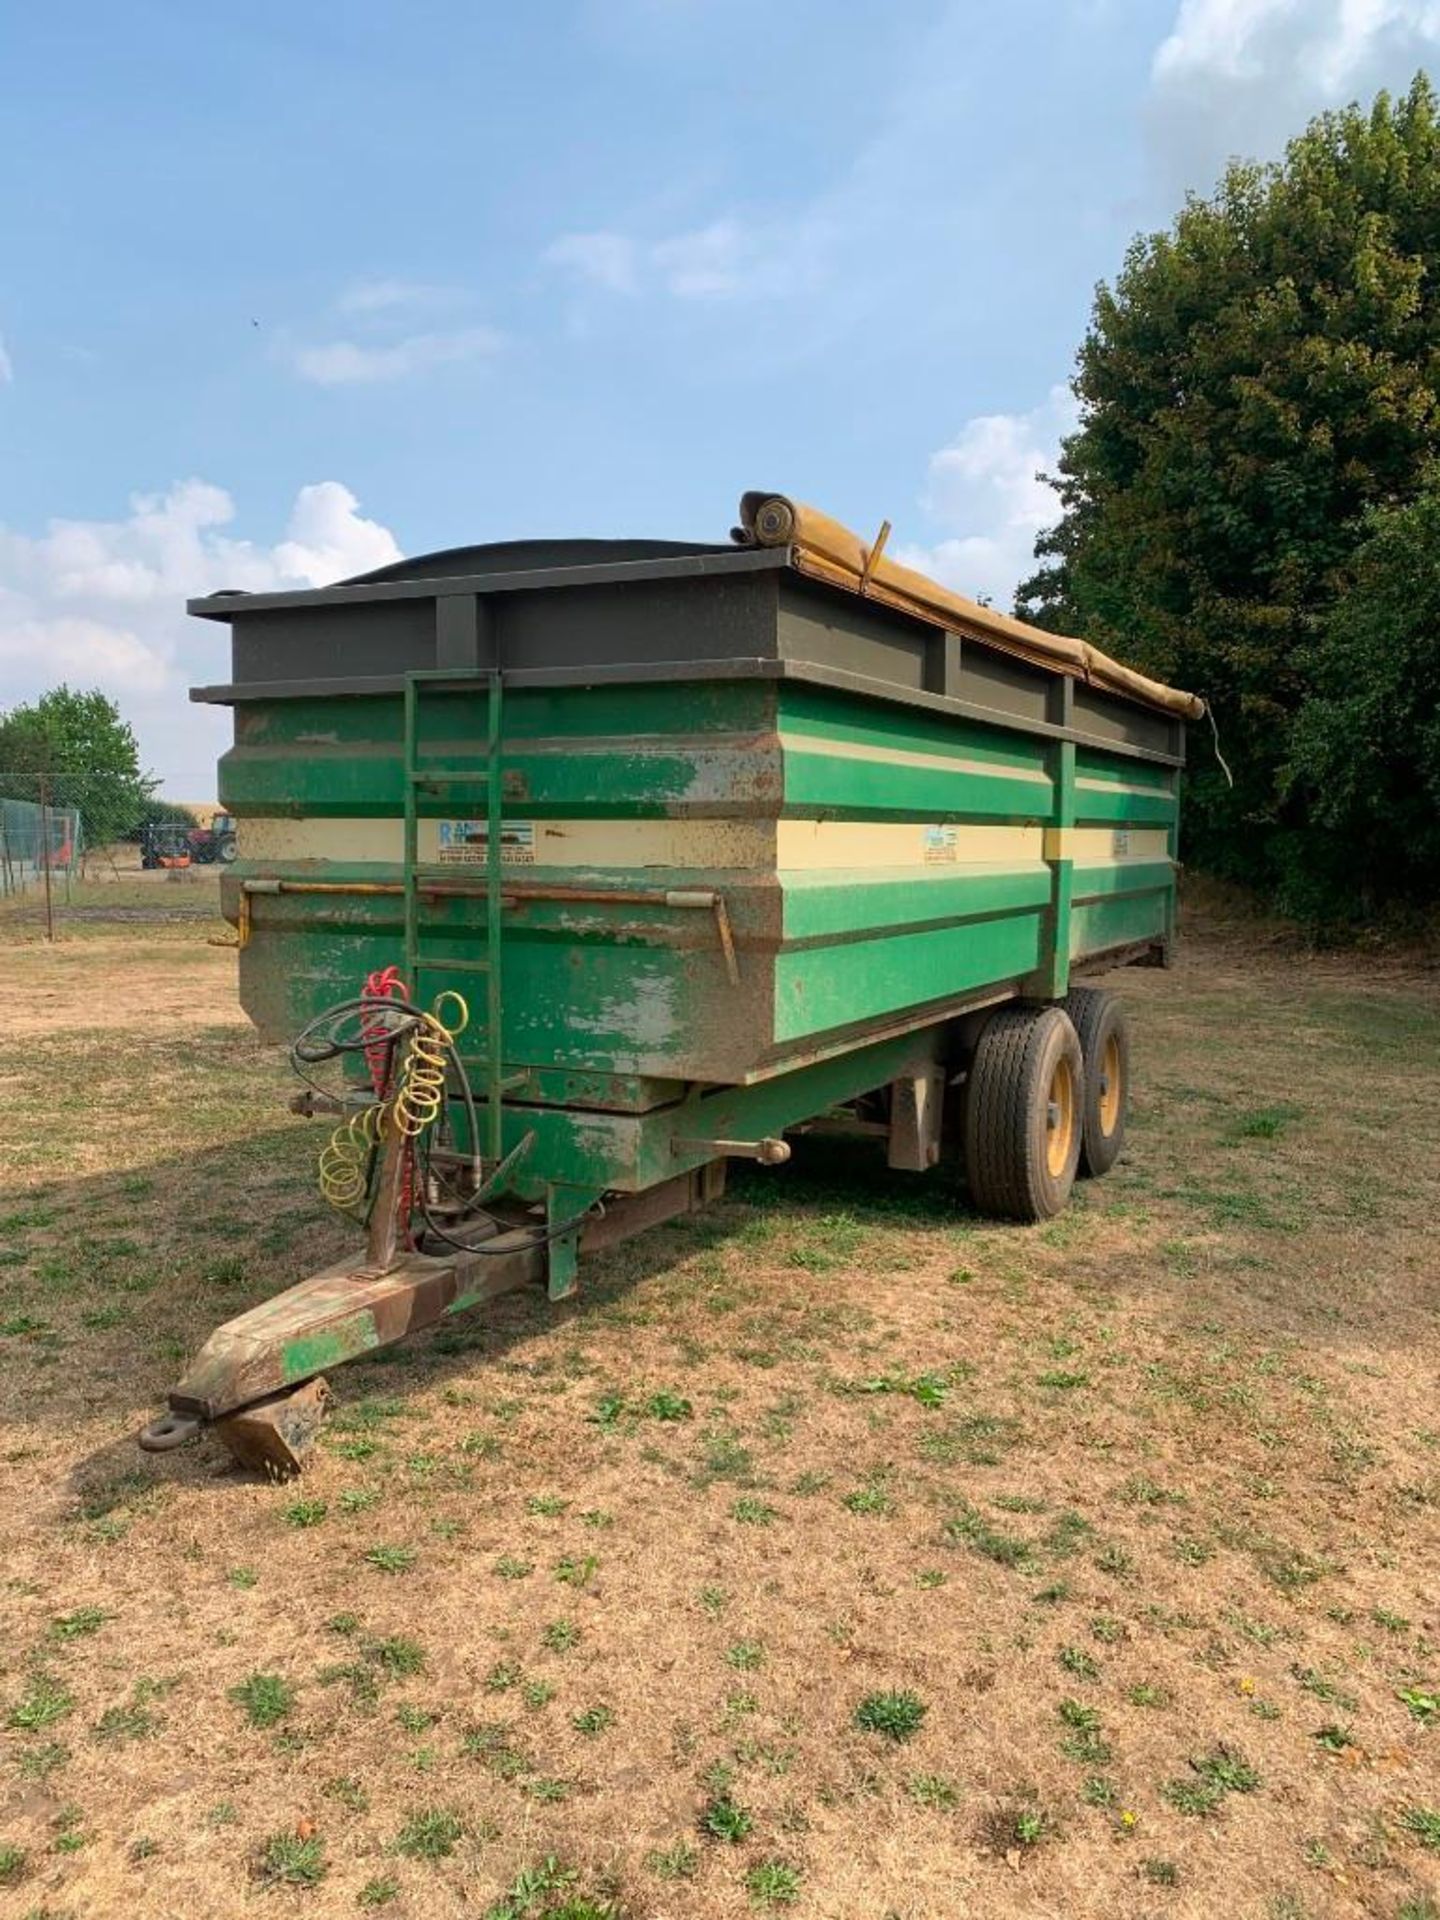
[
  {"x": 459, "y": 868},
  {"x": 452, "y": 966},
  {"x": 448, "y": 776}
]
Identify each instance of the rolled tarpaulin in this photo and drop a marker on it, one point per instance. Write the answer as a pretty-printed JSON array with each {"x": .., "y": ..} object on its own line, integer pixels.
[{"x": 825, "y": 550}]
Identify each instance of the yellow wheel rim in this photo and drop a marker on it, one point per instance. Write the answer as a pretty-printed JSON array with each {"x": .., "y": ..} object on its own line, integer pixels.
[
  {"x": 1060, "y": 1120},
  {"x": 1111, "y": 1087}
]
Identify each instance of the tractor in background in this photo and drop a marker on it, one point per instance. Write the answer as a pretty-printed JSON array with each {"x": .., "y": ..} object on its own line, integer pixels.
[
  {"x": 172, "y": 843},
  {"x": 215, "y": 843},
  {"x": 163, "y": 844}
]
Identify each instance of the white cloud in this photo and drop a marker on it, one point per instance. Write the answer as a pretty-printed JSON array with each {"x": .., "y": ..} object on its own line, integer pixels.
[
  {"x": 328, "y": 539},
  {"x": 7, "y": 365},
  {"x": 102, "y": 603},
  {"x": 712, "y": 262},
  {"x": 603, "y": 259},
  {"x": 384, "y": 338},
  {"x": 1239, "y": 77},
  {"x": 340, "y": 363},
  {"x": 987, "y": 501},
  {"x": 723, "y": 260},
  {"x": 84, "y": 652},
  {"x": 381, "y": 296}
]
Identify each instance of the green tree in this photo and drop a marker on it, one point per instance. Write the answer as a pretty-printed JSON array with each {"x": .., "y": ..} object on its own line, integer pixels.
[
  {"x": 160, "y": 813},
  {"x": 75, "y": 748},
  {"x": 1365, "y": 747},
  {"x": 1258, "y": 380}
]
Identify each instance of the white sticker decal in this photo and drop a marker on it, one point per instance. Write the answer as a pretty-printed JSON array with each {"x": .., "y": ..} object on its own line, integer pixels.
[
  {"x": 467, "y": 842},
  {"x": 939, "y": 844}
]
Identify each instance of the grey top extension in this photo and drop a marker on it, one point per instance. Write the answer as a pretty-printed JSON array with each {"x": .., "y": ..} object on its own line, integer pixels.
[{"x": 557, "y": 612}]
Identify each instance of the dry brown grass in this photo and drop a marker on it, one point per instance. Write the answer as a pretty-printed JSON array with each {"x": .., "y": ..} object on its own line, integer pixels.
[{"x": 1183, "y": 1473}]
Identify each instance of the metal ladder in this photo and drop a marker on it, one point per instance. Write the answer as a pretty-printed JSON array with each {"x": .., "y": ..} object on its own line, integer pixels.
[{"x": 419, "y": 780}]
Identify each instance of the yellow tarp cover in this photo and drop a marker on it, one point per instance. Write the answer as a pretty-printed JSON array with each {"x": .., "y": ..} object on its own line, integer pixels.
[{"x": 824, "y": 549}]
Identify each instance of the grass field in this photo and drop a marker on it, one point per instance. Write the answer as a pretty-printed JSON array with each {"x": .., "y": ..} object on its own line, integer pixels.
[{"x": 836, "y": 1552}]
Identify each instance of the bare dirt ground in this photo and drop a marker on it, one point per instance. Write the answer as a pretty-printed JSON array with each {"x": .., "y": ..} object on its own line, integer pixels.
[{"x": 837, "y": 1552}]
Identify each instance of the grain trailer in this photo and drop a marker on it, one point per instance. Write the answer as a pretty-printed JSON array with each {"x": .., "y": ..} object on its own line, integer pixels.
[{"x": 580, "y": 867}]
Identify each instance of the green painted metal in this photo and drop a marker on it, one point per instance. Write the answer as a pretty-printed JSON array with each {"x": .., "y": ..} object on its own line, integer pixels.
[
  {"x": 1119, "y": 807},
  {"x": 1172, "y": 844},
  {"x": 562, "y": 1263},
  {"x": 865, "y": 980},
  {"x": 831, "y": 905},
  {"x": 424, "y": 778},
  {"x": 342, "y": 1313},
  {"x": 1054, "y": 975},
  {"x": 1135, "y": 876},
  {"x": 708, "y": 908},
  {"x": 640, "y": 990},
  {"x": 587, "y": 1152},
  {"x": 608, "y": 752},
  {"x": 600, "y": 1012},
  {"x": 820, "y": 782},
  {"x": 1091, "y": 764},
  {"x": 334, "y": 1316},
  {"x": 1127, "y": 920},
  {"x": 310, "y": 1353}
]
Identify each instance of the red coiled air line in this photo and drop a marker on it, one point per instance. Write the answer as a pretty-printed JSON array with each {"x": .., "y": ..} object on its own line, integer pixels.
[{"x": 385, "y": 984}]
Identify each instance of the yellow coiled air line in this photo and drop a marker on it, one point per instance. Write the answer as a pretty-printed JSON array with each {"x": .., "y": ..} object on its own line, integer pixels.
[
  {"x": 422, "y": 1084},
  {"x": 344, "y": 1169},
  {"x": 345, "y": 1159}
]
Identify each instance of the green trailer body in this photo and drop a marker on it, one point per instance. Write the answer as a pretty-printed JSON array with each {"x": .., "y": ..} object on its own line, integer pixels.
[
  {"x": 709, "y": 846},
  {"x": 894, "y": 818}
]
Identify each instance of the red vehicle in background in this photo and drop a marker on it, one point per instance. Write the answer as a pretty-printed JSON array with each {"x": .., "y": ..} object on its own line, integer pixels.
[
  {"x": 169, "y": 845},
  {"x": 212, "y": 843}
]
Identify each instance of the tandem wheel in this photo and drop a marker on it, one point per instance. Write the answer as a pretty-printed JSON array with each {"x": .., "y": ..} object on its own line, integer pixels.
[
  {"x": 1103, "y": 1029},
  {"x": 1023, "y": 1113}
]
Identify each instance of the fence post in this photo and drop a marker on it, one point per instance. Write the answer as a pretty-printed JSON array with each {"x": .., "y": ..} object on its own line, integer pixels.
[{"x": 45, "y": 854}]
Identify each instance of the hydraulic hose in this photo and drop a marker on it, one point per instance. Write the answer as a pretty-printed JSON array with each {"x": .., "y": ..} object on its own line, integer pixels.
[{"x": 382, "y": 1021}]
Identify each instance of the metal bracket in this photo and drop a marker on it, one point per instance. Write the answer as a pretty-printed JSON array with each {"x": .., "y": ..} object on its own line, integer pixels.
[
  {"x": 770, "y": 1153},
  {"x": 562, "y": 1255},
  {"x": 916, "y": 1104}
]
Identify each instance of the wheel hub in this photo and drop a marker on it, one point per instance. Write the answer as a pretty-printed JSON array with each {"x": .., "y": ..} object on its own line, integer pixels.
[
  {"x": 1111, "y": 1086},
  {"x": 1060, "y": 1119}
]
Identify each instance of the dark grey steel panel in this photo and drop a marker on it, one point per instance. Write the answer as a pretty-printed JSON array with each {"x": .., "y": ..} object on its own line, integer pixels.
[
  {"x": 568, "y": 628},
  {"x": 663, "y": 620},
  {"x": 1111, "y": 720},
  {"x": 549, "y": 613},
  {"x": 1006, "y": 685},
  {"x": 838, "y": 629},
  {"x": 321, "y": 643}
]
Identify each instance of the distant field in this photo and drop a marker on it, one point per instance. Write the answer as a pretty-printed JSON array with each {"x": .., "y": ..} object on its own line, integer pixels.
[{"x": 835, "y": 1553}]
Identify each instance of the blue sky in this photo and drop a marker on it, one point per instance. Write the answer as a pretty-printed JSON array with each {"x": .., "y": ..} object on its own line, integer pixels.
[{"x": 287, "y": 289}]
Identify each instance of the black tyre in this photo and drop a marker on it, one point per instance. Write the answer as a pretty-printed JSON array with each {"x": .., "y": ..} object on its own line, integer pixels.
[
  {"x": 1024, "y": 1100},
  {"x": 1100, "y": 1020},
  {"x": 225, "y": 849}
]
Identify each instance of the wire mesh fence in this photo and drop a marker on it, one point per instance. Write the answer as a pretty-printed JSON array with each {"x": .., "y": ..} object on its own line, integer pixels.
[{"x": 37, "y": 841}]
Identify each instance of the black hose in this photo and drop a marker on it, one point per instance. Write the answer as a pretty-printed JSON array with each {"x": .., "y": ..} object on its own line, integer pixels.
[
  {"x": 307, "y": 1052},
  {"x": 536, "y": 1241},
  {"x": 331, "y": 1046}
]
